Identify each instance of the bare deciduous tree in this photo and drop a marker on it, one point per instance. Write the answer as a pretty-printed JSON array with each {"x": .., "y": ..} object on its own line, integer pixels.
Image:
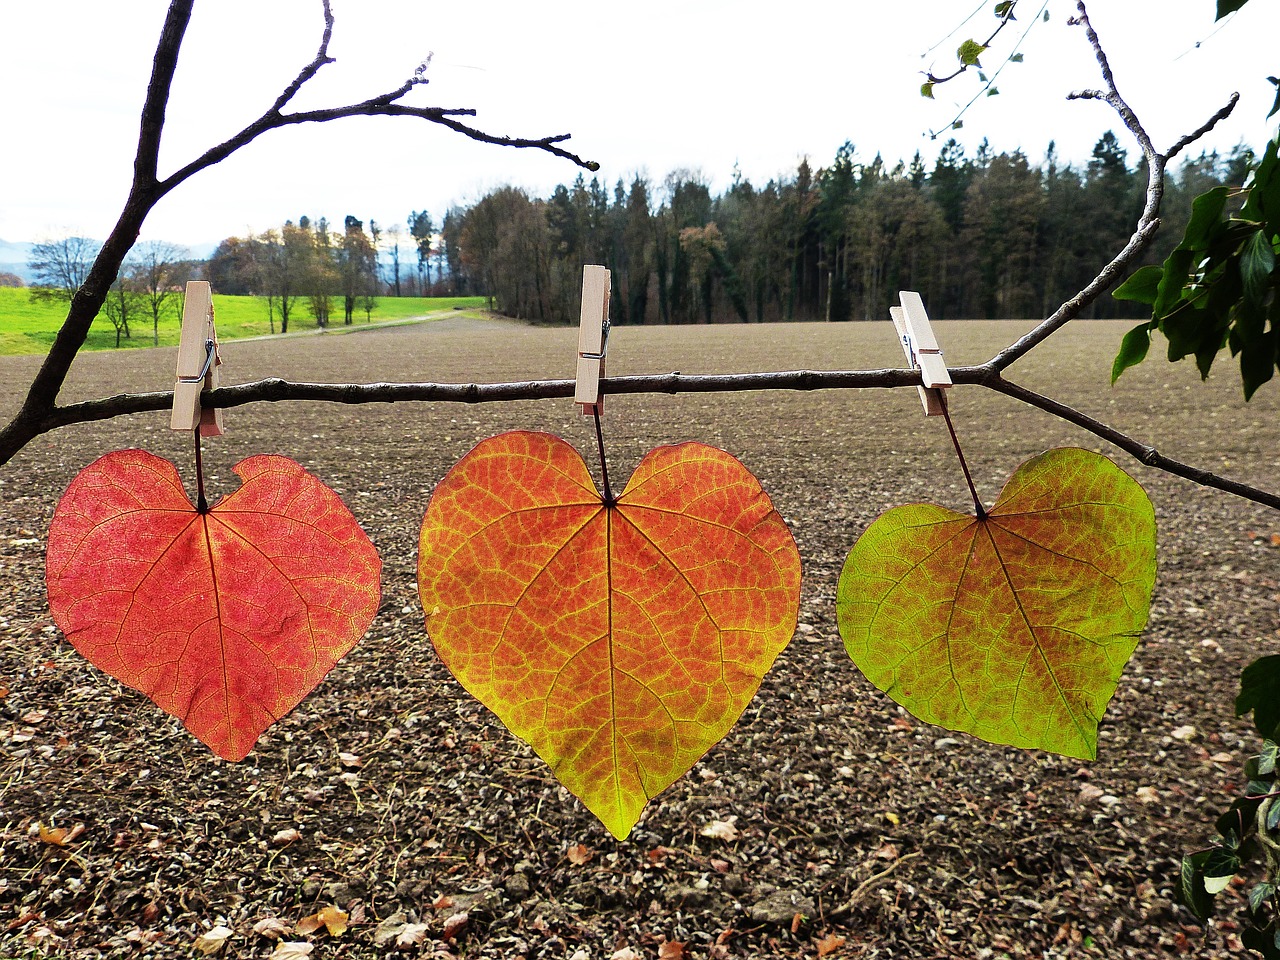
[
  {"x": 121, "y": 305},
  {"x": 156, "y": 268},
  {"x": 61, "y": 267}
]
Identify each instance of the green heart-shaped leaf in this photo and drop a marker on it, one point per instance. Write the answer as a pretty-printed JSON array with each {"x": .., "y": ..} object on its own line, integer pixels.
[{"x": 1014, "y": 627}]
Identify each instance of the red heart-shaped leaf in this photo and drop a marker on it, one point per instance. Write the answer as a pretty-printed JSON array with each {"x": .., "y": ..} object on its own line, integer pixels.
[
  {"x": 225, "y": 619},
  {"x": 623, "y": 640}
]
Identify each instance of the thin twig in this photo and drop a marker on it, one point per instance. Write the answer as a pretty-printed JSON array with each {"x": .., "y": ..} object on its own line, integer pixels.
[
  {"x": 865, "y": 886},
  {"x": 1004, "y": 22},
  {"x": 991, "y": 81}
]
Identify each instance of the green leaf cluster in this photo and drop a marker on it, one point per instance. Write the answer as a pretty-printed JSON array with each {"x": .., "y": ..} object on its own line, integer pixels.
[
  {"x": 1249, "y": 831},
  {"x": 969, "y": 52},
  {"x": 1219, "y": 287}
]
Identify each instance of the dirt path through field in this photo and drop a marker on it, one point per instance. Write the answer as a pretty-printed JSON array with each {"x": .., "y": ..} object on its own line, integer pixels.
[{"x": 853, "y": 820}]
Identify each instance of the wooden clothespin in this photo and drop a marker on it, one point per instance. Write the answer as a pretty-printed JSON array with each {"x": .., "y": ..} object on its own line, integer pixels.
[
  {"x": 198, "y": 362},
  {"x": 915, "y": 333},
  {"x": 593, "y": 338}
]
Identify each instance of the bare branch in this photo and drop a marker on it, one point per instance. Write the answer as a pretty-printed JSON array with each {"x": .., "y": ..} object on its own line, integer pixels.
[
  {"x": 275, "y": 390},
  {"x": 1112, "y": 95},
  {"x": 311, "y": 69},
  {"x": 1143, "y": 452},
  {"x": 1204, "y": 128},
  {"x": 163, "y": 66},
  {"x": 384, "y": 105},
  {"x": 1148, "y": 223},
  {"x": 147, "y": 190}
]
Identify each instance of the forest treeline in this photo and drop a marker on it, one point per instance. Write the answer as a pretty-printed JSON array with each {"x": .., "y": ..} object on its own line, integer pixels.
[
  {"x": 991, "y": 236},
  {"x": 988, "y": 236}
]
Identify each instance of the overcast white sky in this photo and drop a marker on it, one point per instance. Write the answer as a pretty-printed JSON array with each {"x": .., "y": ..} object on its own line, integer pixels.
[{"x": 643, "y": 87}]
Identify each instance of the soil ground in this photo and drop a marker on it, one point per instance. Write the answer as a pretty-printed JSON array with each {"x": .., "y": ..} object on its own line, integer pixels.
[{"x": 413, "y": 805}]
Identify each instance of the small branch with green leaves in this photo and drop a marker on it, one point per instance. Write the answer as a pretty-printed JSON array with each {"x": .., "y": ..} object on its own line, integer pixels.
[
  {"x": 970, "y": 50},
  {"x": 968, "y": 54}
]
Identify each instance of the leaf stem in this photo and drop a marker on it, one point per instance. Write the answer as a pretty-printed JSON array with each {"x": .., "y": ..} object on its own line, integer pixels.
[
  {"x": 955, "y": 442},
  {"x": 202, "y": 505},
  {"x": 604, "y": 468}
]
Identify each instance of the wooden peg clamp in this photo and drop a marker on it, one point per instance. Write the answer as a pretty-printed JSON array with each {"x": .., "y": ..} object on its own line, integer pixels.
[
  {"x": 915, "y": 333},
  {"x": 593, "y": 338},
  {"x": 198, "y": 362}
]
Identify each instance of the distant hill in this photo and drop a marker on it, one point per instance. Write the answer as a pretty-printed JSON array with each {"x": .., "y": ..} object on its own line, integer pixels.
[
  {"x": 13, "y": 258},
  {"x": 15, "y": 254}
]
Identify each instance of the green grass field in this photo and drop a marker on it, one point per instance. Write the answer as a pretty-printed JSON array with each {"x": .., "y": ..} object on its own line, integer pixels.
[{"x": 27, "y": 327}]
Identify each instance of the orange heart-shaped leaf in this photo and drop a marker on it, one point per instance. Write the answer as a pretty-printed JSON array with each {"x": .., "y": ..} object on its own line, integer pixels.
[
  {"x": 620, "y": 640},
  {"x": 1014, "y": 627},
  {"x": 225, "y": 619}
]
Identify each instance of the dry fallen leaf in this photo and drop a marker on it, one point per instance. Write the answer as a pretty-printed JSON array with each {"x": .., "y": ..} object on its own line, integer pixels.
[
  {"x": 1089, "y": 793},
  {"x": 212, "y": 940},
  {"x": 672, "y": 950},
  {"x": 721, "y": 830},
  {"x": 1148, "y": 794},
  {"x": 455, "y": 925},
  {"x": 626, "y": 953},
  {"x": 887, "y": 851},
  {"x": 412, "y": 933},
  {"x": 1183, "y": 733},
  {"x": 579, "y": 854},
  {"x": 286, "y": 836},
  {"x": 272, "y": 928},
  {"x": 292, "y": 950},
  {"x": 308, "y": 925},
  {"x": 350, "y": 760},
  {"x": 334, "y": 920},
  {"x": 60, "y": 836},
  {"x": 829, "y": 944}
]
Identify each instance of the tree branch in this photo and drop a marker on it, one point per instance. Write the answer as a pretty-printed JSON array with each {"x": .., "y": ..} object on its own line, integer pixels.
[
  {"x": 146, "y": 190},
  {"x": 1148, "y": 223},
  {"x": 311, "y": 69},
  {"x": 275, "y": 390},
  {"x": 384, "y": 105},
  {"x": 1143, "y": 452}
]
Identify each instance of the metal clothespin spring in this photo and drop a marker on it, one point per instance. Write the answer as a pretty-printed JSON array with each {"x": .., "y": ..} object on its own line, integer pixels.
[
  {"x": 909, "y": 348},
  {"x": 604, "y": 343},
  {"x": 210, "y": 351}
]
